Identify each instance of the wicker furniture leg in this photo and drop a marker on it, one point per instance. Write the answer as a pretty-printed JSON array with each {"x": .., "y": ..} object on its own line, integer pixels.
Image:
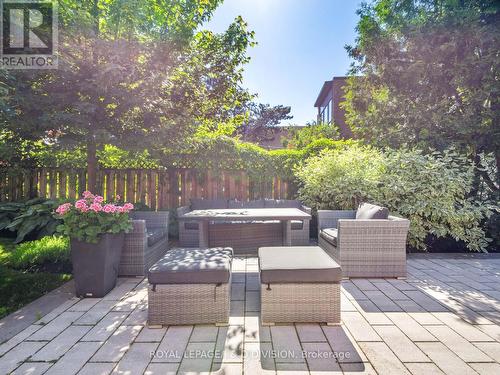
[
  {"x": 203, "y": 234},
  {"x": 287, "y": 233}
]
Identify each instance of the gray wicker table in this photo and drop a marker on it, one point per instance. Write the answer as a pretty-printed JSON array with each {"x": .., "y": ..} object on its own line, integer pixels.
[{"x": 285, "y": 215}]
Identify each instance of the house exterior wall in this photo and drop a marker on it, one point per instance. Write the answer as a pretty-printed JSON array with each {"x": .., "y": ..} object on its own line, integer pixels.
[
  {"x": 333, "y": 94},
  {"x": 339, "y": 113}
]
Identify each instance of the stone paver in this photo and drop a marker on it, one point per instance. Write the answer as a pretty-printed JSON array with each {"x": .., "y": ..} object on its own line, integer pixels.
[
  {"x": 444, "y": 318},
  {"x": 310, "y": 333},
  {"x": 97, "y": 368},
  {"x": 136, "y": 359},
  {"x": 423, "y": 368},
  {"x": 116, "y": 346},
  {"x": 410, "y": 327},
  {"x": 74, "y": 359},
  {"x": 197, "y": 359},
  {"x": 486, "y": 368},
  {"x": 171, "y": 348},
  {"x": 320, "y": 357},
  {"x": 460, "y": 346},
  {"x": 229, "y": 344},
  {"x": 359, "y": 327},
  {"x": 287, "y": 344},
  {"x": 96, "y": 313},
  {"x": 20, "y": 337},
  {"x": 358, "y": 369},
  {"x": 400, "y": 344},
  {"x": 162, "y": 369},
  {"x": 32, "y": 368},
  {"x": 490, "y": 348},
  {"x": 56, "y": 326},
  {"x": 14, "y": 357},
  {"x": 105, "y": 328},
  {"x": 344, "y": 345},
  {"x": 383, "y": 359},
  {"x": 258, "y": 361},
  {"x": 151, "y": 334},
  {"x": 204, "y": 334},
  {"x": 460, "y": 326},
  {"x": 61, "y": 344},
  {"x": 445, "y": 359}
]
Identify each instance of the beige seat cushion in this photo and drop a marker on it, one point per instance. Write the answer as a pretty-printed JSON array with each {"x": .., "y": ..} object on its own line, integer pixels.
[
  {"x": 297, "y": 264},
  {"x": 330, "y": 235}
]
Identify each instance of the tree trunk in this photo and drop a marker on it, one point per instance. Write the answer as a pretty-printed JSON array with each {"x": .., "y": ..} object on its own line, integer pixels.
[{"x": 91, "y": 164}]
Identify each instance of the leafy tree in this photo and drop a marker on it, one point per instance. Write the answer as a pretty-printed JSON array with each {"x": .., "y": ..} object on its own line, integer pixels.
[
  {"x": 312, "y": 133},
  {"x": 429, "y": 76},
  {"x": 119, "y": 80},
  {"x": 261, "y": 119}
]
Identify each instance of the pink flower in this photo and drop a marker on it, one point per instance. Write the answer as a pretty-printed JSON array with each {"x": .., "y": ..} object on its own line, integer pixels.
[
  {"x": 81, "y": 204},
  {"x": 109, "y": 208},
  {"x": 88, "y": 195},
  {"x": 128, "y": 206},
  {"x": 98, "y": 199},
  {"x": 63, "y": 208},
  {"x": 118, "y": 197},
  {"x": 96, "y": 207},
  {"x": 120, "y": 210}
]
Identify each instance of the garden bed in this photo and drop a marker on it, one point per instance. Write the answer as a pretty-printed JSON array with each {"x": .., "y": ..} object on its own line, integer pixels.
[{"x": 22, "y": 281}]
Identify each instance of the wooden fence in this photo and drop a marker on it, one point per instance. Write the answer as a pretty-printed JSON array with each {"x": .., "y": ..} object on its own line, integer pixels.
[{"x": 159, "y": 189}]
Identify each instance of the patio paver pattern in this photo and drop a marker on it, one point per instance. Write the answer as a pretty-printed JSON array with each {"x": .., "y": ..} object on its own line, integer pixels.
[{"x": 444, "y": 318}]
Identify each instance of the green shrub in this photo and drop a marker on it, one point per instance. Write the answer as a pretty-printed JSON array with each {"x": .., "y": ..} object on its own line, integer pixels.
[
  {"x": 302, "y": 137},
  {"x": 431, "y": 190},
  {"x": 30, "y": 219},
  {"x": 340, "y": 179},
  {"x": 33, "y": 254}
]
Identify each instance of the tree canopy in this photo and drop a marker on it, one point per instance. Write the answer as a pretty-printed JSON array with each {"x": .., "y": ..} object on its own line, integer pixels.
[
  {"x": 427, "y": 75},
  {"x": 129, "y": 71}
]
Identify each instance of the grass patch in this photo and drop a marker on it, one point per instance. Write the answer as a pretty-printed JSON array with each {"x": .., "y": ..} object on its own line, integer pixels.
[
  {"x": 36, "y": 255},
  {"x": 19, "y": 287}
]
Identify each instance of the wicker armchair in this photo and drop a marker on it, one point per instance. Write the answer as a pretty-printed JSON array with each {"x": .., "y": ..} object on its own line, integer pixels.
[
  {"x": 145, "y": 244},
  {"x": 364, "y": 247}
]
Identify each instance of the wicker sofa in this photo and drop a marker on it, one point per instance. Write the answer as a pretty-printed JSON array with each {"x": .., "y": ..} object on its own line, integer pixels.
[
  {"x": 364, "y": 246},
  {"x": 145, "y": 244},
  {"x": 243, "y": 237}
]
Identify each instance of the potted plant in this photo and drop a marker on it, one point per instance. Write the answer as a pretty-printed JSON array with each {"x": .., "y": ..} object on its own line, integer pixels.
[{"x": 96, "y": 231}]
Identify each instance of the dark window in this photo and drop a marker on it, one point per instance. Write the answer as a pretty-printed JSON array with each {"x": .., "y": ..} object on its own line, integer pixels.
[{"x": 325, "y": 115}]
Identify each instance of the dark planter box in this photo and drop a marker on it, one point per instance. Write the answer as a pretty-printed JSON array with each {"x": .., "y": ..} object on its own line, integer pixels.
[{"x": 95, "y": 265}]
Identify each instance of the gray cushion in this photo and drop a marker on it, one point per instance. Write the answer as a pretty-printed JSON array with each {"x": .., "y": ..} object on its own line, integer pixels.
[
  {"x": 208, "y": 204},
  {"x": 298, "y": 264},
  {"x": 330, "y": 235},
  {"x": 257, "y": 203},
  {"x": 191, "y": 225},
  {"x": 371, "y": 211},
  {"x": 297, "y": 224},
  {"x": 155, "y": 235},
  {"x": 282, "y": 203},
  {"x": 193, "y": 266}
]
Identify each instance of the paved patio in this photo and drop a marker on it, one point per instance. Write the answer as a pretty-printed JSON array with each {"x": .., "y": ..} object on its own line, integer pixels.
[{"x": 445, "y": 318}]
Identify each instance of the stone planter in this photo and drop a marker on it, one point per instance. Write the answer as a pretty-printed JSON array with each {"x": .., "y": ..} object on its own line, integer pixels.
[{"x": 95, "y": 265}]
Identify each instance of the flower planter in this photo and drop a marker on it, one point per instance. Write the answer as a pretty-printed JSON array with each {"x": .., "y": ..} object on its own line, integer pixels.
[{"x": 95, "y": 265}]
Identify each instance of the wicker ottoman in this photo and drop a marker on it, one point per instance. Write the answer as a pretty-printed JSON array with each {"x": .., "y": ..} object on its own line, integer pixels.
[
  {"x": 299, "y": 284},
  {"x": 190, "y": 286}
]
